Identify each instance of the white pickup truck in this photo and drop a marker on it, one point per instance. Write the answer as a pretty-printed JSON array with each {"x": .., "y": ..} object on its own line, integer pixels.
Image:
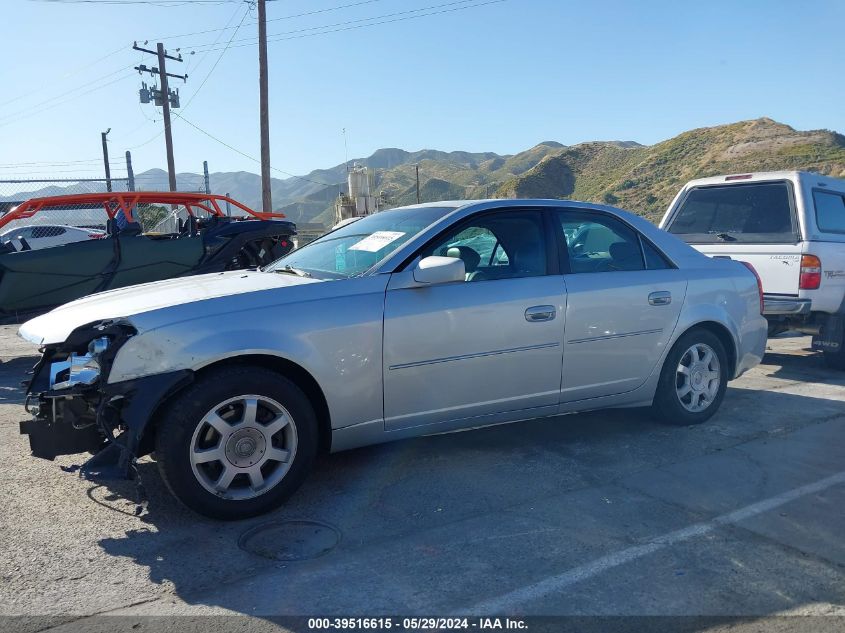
[{"x": 791, "y": 227}]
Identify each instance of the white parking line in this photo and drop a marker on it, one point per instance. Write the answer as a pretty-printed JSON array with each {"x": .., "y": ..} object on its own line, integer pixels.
[{"x": 554, "y": 584}]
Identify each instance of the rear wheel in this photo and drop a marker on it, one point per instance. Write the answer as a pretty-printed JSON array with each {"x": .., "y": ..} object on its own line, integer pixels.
[
  {"x": 693, "y": 379},
  {"x": 237, "y": 443},
  {"x": 835, "y": 360}
]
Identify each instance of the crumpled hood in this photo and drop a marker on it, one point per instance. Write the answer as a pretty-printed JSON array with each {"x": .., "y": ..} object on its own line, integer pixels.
[{"x": 56, "y": 325}]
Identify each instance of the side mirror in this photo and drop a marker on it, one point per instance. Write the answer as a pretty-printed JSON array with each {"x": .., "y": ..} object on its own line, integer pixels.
[{"x": 439, "y": 270}]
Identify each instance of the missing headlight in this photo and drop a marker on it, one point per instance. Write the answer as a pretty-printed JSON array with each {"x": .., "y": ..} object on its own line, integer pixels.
[{"x": 79, "y": 369}]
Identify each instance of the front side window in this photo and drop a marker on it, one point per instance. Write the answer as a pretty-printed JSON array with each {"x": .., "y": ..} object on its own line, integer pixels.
[
  {"x": 830, "y": 211},
  {"x": 749, "y": 213},
  {"x": 356, "y": 247},
  {"x": 598, "y": 243},
  {"x": 501, "y": 245}
]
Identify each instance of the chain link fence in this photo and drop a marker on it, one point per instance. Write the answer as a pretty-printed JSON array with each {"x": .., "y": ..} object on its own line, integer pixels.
[
  {"x": 14, "y": 192},
  {"x": 153, "y": 218}
]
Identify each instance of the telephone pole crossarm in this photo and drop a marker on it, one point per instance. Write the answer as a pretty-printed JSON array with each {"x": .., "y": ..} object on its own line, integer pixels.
[
  {"x": 163, "y": 97},
  {"x": 146, "y": 50}
]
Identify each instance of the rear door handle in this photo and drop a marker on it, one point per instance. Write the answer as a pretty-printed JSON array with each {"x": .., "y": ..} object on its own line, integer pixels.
[
  {"x": 540, "y": 313},
  {"x": 660, "y": 298}
]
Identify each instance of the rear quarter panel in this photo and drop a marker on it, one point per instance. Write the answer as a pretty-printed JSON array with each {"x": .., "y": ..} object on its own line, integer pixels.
[{"x": 725, "y": 292}]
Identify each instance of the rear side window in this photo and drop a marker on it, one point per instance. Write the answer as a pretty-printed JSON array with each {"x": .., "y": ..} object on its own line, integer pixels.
[
  {"x": 756, "y": 212},
  {"x": 599, "y": 244},
  {"x": 830, "y": 211}
]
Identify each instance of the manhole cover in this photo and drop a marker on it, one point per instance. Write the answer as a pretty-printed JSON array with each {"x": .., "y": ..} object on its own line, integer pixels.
[{"x": 290, "y": 540}]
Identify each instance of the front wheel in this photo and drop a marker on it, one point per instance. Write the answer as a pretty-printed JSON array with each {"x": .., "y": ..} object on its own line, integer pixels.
[
  {"x": 693, "y": 380},
  {"x": 237, "y": 443}
]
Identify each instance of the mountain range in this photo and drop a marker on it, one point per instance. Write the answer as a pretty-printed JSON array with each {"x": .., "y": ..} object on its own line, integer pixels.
[{"x": 640, "y": 178}]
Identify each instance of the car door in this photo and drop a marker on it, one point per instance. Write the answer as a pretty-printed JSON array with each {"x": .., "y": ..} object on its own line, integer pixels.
[
  {"x": 144, "y": 258},
  {"x": 624, "y": 298},
  {"x": 483, "y": 350}
]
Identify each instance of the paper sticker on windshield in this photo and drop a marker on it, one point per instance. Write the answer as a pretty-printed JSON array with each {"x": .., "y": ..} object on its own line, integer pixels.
[{"x": 377, "y": 241}]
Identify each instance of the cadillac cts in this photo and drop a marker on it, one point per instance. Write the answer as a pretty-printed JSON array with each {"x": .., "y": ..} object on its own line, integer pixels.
[{"x": 413, "y": 321}]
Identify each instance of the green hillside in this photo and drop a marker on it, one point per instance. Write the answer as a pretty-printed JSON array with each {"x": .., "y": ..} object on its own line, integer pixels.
[
  {"x": 641, "y": 178},
  {"x": 645, "y": 179}
]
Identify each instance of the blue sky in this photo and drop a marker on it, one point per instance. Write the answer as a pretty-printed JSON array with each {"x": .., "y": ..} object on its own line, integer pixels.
[{"x": 495, "y": 77}]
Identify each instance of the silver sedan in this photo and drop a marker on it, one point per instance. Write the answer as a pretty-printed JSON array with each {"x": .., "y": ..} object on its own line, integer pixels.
[{"x": 417, "y": 320}]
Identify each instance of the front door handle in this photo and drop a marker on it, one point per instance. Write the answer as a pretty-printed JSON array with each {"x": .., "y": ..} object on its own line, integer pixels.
[
  {"x": 660, "y": 298},
  {"x": 540, "y": 313}
]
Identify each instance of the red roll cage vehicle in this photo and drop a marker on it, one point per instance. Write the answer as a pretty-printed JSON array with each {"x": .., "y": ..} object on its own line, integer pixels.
[{"x": 150, "y": 235}]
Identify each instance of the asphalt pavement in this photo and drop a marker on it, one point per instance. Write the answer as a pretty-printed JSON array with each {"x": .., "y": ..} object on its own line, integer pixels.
[{"x": 604, "y": 513}]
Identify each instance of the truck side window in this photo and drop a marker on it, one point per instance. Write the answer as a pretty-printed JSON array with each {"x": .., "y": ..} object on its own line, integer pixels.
[{"x": 830, "y": 211}]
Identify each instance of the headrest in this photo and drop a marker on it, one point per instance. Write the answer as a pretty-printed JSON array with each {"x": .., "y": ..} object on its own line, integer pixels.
[
  {"x": 470, "y": 258},
  {"x": 529, "y": 259},
  {"x": 626, "y": 256}
]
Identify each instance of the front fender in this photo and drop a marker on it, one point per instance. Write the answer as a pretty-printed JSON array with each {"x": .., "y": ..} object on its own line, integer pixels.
[{"x": 337, "y": 340}]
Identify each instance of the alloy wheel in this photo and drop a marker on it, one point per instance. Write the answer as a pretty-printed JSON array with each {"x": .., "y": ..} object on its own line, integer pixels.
[
  {"x": 243, "y": 447},
  {"x": 698, "y": 378}
]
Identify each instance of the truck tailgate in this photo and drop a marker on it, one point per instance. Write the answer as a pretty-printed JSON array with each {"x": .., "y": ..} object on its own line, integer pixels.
[{"x": 779, "y": 265}]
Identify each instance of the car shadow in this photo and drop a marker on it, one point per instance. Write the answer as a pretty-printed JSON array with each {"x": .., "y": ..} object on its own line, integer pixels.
[
  {"x": 801, "y": 366},
  {"x": 13, "y": 372},
  {"x": 383, "y": 493}
]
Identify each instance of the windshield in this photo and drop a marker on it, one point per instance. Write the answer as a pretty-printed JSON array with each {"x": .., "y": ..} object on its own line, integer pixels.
[{"x": 355, "y": 248}]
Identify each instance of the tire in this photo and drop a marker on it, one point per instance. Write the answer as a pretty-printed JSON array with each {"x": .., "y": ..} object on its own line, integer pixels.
[
  {"x": 835, "y": 360},
  {"x": 237, "y": 443},
  {"x": 669, "y": 406}
]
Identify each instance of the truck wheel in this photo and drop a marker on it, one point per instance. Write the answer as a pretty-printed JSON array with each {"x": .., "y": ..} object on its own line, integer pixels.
[
  {"x": 237, "y": 443},
  {"x": 835, "y": 360},
  {"x": 693, "y": 380}
]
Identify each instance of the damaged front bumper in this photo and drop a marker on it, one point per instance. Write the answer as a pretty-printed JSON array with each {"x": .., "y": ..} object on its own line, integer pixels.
[{"x": 79, "y": 412}]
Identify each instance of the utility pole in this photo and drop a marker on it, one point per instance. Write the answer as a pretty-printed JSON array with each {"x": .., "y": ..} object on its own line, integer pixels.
[
  {"x": 168, "y": 137},
  {"x": 417, "y": 167},
  {"x": 103, "y": 136},
  {"x": 264, "y": 109},
  {"x": 130, "y": 175},
  {"x": 163, "y": 97},
  {"x": 205, "y": 176}
]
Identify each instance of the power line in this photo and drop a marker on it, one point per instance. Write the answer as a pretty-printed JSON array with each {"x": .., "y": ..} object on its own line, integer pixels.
[
  {"x": 63, "y": 94},
  {"x": 68, "y": 74},
  {"x": 361, "y": 26},
  {"x": 202, "y": 83},
  {"x": 223, "y": 52},
  {"x": 63, "y": 163},
  {"x": 284, "y": 17},
  {"x": 245, "y": 155},
  {"x": 50, "y": 107},
  {"x": 155, "y": 3},
  {"x": 345, "y": 22}
]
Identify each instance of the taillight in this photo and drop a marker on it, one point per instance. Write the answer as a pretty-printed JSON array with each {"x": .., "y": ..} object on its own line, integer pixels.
[
  {"x": 759, "y": 283},
  {"x": 811, "y": 273}
]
